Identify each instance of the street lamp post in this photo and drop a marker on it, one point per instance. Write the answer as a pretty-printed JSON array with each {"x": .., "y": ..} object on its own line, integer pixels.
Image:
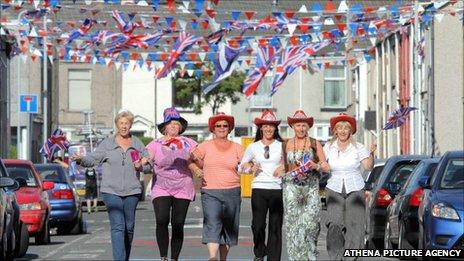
[
  {"x": 18, "y": 91},
  {"x": 45, "y": 86}
]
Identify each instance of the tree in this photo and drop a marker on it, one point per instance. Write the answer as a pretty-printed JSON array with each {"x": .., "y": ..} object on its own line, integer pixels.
[{"x": 188, "y": 87}]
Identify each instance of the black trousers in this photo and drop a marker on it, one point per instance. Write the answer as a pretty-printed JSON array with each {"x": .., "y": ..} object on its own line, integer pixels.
[
  {"x": 263, "y": 201},
  {"x": 174, "y": 210}
]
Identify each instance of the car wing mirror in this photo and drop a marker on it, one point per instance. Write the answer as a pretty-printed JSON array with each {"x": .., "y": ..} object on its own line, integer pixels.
[
  {"x": 6, "y": 182},
  {"x": 424, "y": 182},
  {"x": 22, "y": 182}
]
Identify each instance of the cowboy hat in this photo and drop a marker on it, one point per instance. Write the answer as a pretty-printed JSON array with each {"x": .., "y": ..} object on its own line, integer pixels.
[
  {"x": 220, "y": 116},
  {"x": 300, "y": 116},
  {"x": 171, "y": 114},
  {"x": 343, "y": 117},
  {"x": 267, "y": 117}
]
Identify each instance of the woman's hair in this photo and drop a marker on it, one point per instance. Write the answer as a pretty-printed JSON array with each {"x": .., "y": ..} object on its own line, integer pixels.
[
  {"x": 259, "y": 133},
  {"x": 172, "y": 121},
  {"x": 124, "y": 114},
  {"x": 340, "y": 124}
]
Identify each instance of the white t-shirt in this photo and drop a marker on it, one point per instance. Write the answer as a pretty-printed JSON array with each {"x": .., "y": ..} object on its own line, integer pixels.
[
  {"x": 265, "y": 178},
  {"x": 345, "y": 166}
]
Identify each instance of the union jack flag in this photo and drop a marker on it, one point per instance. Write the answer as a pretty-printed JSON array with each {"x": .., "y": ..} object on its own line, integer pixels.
[
  {"x": 301, "y": 173},
  {"x": 55, "y": 143},
  {"x": 264, "y": 58},
  {"x": 290, "y": 59},
  {"x": 223, "y": 65},
  {"x": 398, "y": 117},
  {"x": 215, "y": 37},
  {"x": 183, "y": 43},
  {"x": 83, "y": 29},
  {"x": 124, "y": 25}
]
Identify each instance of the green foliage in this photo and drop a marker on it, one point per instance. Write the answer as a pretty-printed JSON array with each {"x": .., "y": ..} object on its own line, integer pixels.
[
  {"x": 13, "y": 152},
  {"x": 146, "y": 140},
  {"x": 228, "y": 90}
]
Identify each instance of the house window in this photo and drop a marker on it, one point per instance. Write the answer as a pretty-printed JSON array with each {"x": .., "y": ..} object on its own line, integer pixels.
[
  {"x": 79, "y": 82},
  {"x": 183, "y": 91},
  {"x": 261, "y": 98},
  {"x": 334, "y": 87}
]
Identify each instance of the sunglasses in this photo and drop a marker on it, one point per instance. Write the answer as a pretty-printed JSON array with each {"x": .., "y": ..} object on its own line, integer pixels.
[
  {"x": 266, "y": 152},
  {"x": 221, "y": 126}
]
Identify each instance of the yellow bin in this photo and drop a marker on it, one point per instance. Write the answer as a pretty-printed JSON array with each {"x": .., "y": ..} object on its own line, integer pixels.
[{"x": 246, "y": 179}]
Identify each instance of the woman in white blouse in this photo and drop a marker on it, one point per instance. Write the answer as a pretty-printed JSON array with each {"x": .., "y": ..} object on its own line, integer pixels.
[
  {"x": 345, "y": 196},
  {"x": 263, "y": 157}
]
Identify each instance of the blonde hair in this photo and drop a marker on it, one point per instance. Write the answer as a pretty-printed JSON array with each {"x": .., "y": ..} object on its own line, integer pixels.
[
  {"x": 341, "y": 124},
  {"x": 124, "y": 114}
]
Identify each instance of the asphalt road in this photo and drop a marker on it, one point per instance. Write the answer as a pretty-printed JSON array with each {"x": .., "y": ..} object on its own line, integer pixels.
[{"x": 95, "y": 245}]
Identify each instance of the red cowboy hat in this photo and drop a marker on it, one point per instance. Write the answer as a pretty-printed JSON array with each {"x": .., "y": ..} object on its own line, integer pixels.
[
  {"x": 220, "y": 116},
  {"x": 300, "y": 116},
  {"x": 343, "y": 117},
  {"x": 267, "y": 117}
]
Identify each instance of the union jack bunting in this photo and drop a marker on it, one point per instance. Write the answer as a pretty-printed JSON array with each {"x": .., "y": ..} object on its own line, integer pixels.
[
  {"x": 55, "y": 143},
  {"x": 215, "y": 37},
  {"x": 183, "y": 43},
  {"x": 123, "y": 42},
  {"x": 83, "y": 29},
  {"x": 124, "y": 25},
  {"x": 223, "y": 65},
  {"x": 264, "y": 58},
  {"x": 290, "y": 59},
  {"x": 398, "y": 117}
]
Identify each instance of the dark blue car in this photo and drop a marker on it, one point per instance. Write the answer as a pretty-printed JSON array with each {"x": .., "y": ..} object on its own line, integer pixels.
[
  {"x": 441, "y": 213},
  {"x": 402, "y": 228},
  {"x": 66, "y": 214}
]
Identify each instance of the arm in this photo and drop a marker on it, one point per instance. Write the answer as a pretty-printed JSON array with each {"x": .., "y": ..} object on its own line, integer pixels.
[
  {"x": 93, "y": 158},
  {"x": 322, "y": 166},
  {"x": 246, "y": 163},
  {"x": 368, "y": 163}
]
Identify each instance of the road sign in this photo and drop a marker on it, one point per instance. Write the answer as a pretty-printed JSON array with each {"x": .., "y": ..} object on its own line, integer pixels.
[{"x": 28, "y": 103}]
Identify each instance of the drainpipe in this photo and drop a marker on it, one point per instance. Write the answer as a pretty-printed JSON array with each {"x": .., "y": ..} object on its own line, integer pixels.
[
  {"x": 397, "y": 88},
  {"x": 432, "y": 88}
]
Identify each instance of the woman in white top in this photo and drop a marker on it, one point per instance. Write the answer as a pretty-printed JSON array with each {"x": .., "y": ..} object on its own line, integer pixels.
[
  {"x": 345, "y": 196},
  {"x": 263, "y": 157}
]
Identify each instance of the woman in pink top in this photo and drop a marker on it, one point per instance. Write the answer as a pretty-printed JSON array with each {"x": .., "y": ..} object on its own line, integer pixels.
[
  {"x": 220, "y": 193},
  {"x": 173, "y": 187}
]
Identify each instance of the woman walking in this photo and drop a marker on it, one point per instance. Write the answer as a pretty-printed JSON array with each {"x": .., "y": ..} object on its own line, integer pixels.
[
  {"x": 217, "y": 163},
  {"x": 345, "y": 195},
  {"x": 304, "y": 159},
  {"x": 120, "y": 186},
  {"x": 263, "y": 157},
  {"x": 172, "y": 189}
]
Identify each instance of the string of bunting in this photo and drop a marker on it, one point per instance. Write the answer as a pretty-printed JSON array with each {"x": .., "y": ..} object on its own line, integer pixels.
[{"x": 156, "y": 41}]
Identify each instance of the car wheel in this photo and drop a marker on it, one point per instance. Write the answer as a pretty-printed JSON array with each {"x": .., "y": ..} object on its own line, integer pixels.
[
  {"x": 22, "y": 244},
  {"x": 402, "y": 241},
  {"x": 10, "y": 244},
  {"x": 76, "y": 226},
  {"x": 43, "y": 237}
]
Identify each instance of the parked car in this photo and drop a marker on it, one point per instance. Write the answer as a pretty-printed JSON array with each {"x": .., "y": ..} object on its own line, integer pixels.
[
  {"x": 66, "y": 214},
  {"x": 17, "y": 241},
  {"x": 393, "y": 176},
  {"x": 7, "y": 233},
  {"x": 441, "y": 212},
  {"x": 402, "y": 227},
  {"x": 371, "y": 177},
  {"x": 33, "y": 202}
]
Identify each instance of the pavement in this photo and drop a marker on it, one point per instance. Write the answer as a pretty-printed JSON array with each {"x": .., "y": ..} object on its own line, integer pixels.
[{"x": 96, "y": 244}]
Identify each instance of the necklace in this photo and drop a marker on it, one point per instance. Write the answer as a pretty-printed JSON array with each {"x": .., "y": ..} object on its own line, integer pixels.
[{"x": 295, "y": 145}]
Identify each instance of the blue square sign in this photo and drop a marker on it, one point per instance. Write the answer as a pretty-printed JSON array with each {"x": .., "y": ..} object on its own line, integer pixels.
[{"x": 28, "y": 103}]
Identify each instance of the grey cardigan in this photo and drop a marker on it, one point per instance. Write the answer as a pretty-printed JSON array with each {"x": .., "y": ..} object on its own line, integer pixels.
[{"x": 119, "y": 176}]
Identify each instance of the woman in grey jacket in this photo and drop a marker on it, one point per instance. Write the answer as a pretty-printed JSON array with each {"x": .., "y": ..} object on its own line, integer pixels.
[{"x": 122, "y": 157}]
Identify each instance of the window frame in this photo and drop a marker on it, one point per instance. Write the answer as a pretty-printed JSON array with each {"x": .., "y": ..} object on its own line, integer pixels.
[
  {"x": 339, "y": 79},
  {"x": 69, "y": 89}
]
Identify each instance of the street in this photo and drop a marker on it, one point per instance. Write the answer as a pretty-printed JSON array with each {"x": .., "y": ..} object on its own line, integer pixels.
[{"x": 95, "y": 245}]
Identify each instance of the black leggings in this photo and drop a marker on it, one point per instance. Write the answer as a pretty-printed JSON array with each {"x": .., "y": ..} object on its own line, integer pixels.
[{"x": 177, "y": 209}]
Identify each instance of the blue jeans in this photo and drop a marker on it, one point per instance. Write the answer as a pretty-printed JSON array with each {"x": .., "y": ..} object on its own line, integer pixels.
[{"x": 121, "y": 212}]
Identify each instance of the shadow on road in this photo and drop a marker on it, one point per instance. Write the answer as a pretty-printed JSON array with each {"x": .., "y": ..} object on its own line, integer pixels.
[{"x": 28, "y": 257}]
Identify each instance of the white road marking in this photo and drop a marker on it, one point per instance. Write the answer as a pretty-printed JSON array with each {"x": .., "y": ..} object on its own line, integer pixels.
[{"x": 70, "y": 243}]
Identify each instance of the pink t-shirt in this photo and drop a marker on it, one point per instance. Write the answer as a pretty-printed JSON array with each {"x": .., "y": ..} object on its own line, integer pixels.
[
  {"x": 170, "y": 164},
  {"x": 220, "y": 167}
]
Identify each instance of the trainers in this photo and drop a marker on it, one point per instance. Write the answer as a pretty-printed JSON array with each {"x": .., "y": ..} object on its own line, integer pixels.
[{"x": 258, "y": 258}]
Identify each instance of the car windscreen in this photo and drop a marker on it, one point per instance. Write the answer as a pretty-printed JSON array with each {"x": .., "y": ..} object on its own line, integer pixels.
[
  {"x": 453, "y": 177},
  {"x": 51, "y": 173},
  {"x": 22, "y": 172},
  {"x": 375, "y": 174},
  {"x": 402, "y": 172}
]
